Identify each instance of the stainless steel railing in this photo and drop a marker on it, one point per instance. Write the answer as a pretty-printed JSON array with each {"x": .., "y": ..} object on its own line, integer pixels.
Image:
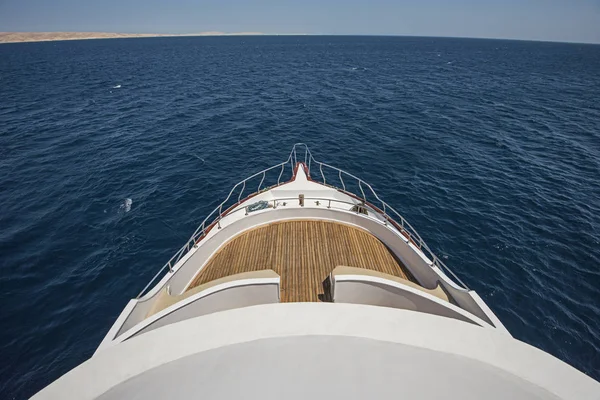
[
  {"x": 217, "y": 214},
  {"x": 381, "y": 207},
  {"x": 404, "y": 226}
]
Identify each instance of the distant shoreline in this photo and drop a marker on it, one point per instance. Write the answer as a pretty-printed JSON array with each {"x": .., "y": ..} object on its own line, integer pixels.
[{"x": 24, "y": 37}]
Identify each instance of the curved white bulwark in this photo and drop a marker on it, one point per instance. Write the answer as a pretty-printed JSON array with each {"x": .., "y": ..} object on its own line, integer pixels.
[
  {"x": 322, "y": 350},
  {"x": 197, "y": 324}
]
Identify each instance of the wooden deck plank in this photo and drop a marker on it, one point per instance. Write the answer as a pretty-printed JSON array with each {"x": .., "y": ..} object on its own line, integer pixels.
[{"x": 303, "y": 253}]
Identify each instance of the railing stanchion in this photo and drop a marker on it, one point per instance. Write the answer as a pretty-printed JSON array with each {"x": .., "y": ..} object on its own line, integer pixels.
[
  {"x": 281, "y": 173},
  {"x": 329, "y": 206},
  {"x": 322, "y": 175},
  {"x": 362, "y": 191},
  {"x": 342, "y": 180},
  {"x": 261, "y": 181},
  {"x": 385, "y": 217},
  {"x": 241, "y": 191}
]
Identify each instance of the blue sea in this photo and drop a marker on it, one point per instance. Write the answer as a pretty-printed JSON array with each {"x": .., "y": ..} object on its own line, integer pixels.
[{"x": 489, "y": 148}]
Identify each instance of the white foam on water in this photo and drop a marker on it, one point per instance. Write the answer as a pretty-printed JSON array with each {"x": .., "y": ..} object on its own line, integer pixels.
[{"x": 126, "y": 205}]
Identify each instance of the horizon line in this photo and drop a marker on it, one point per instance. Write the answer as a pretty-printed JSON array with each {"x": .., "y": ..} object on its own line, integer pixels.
[{"x": 123, "y": 35}]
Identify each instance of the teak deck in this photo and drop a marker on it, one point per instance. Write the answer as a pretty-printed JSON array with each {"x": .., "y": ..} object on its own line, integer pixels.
[{"x": 303, "y": 253}]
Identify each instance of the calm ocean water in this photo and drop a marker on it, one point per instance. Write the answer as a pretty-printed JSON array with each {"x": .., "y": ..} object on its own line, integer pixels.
[{"x": 491, "y": 149}]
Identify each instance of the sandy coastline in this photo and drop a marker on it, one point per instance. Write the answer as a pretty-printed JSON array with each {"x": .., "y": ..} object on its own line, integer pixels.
[{"x": 20, "y": 37}]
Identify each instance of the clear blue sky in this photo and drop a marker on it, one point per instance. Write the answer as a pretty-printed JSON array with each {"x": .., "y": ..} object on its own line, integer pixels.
[{"x": 560, "y": 20}]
